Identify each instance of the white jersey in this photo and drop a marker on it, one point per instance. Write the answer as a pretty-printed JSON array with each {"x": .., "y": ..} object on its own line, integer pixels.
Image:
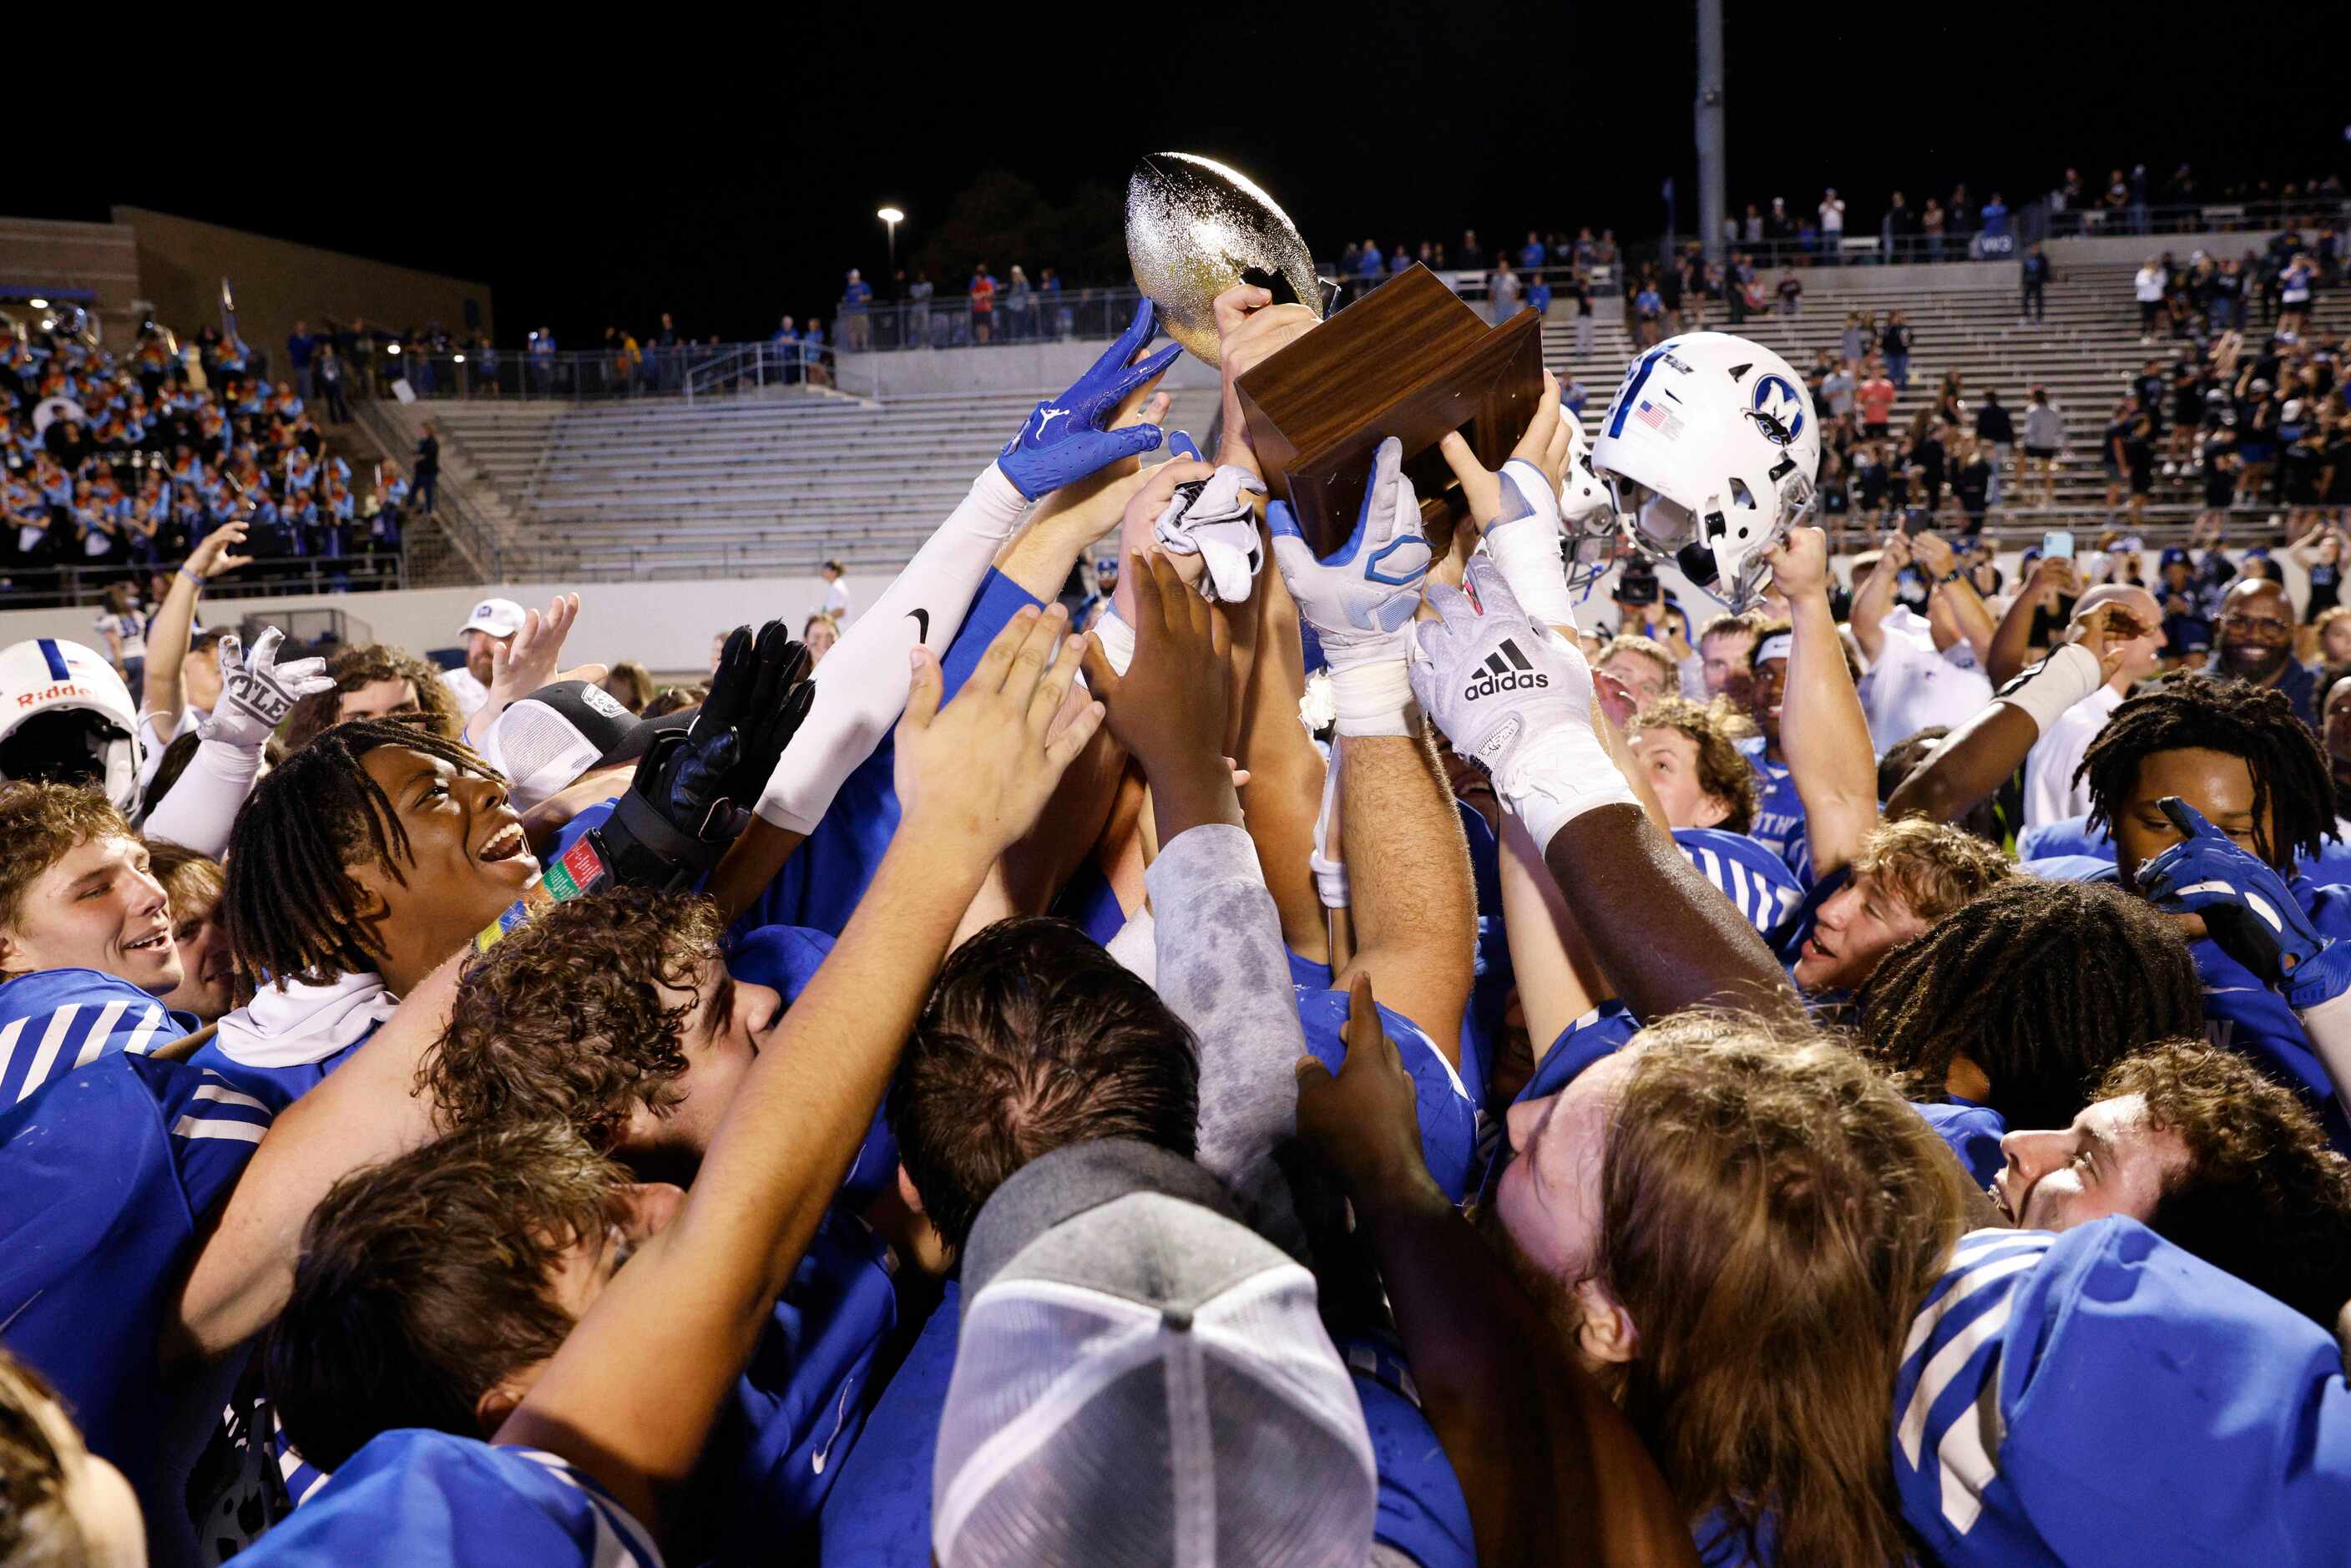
[
  {"x": 470, "y": 693},
  {"x": 1912, "y": 686},
  {"x": 2050, "y": 792}
]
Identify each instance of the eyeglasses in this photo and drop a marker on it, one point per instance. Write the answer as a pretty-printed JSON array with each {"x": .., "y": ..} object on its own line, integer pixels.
[{"x": 2263, "y": 627}]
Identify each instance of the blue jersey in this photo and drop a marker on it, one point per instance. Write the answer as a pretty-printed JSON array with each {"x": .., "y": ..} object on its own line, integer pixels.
[
  {"x": 1421, "y": 1509},
  {"x": 53, "y": 1021},
  {"x": 1449, "y": 1119},
  {"x": 1751, "y": 874},
  {"x": 879, "y": 1513},
  {"x": 2073, "y": 836},
  {"x": 112, "y": 1171},
  {"x": 1779, "y": 811},
  {"x": 428, "y": 1497},
  {"x": 1973, "y": 1133},
  {"x": 822, "y": 882},
  {"x": 2102, "y": 1396},
  {"x": 283, "y": 1042}
]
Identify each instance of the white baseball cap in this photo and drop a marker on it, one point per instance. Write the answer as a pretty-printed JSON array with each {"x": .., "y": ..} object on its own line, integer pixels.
[{"x": 498, "y": 617}]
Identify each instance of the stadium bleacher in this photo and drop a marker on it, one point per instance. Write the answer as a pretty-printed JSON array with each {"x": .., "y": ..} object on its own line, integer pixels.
[{"x": 784, "y": 479}]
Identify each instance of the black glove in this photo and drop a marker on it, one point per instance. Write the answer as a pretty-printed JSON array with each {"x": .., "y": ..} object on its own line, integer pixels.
[{"x": 694, "y": 791}]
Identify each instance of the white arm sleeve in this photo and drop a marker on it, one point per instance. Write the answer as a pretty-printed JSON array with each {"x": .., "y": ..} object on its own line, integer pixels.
[
  {"x": 202, "y": 806},
  {"x": 860, "y": 688},
  {"x": 2328, "y": 1029}
]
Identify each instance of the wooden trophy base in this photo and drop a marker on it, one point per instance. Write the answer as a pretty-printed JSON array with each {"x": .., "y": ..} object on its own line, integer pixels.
[{"x": 1410, "y": 359}]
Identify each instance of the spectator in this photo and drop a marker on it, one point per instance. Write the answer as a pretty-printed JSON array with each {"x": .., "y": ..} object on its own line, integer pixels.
[
  {"x": 1585, "y": 323},
  {"x": 1832, "y": 220},
  {"x": 836, "y": 592},
  {"x": 1930, "y": 229},
  {"x": 631, "y": 684},
  {"x": 427, "y": 468},
  {"x": 1502, "y": 287},
  {"x": 918, "y": 308},
  {"x": 1837, "y": 388},
  {"x": 2034, "y": 272},
  {"x": 1994, "y": 218},
  {"x": 1874, "y": 398},
  {"x": 983, "y": 304},
  {"x": 2148, "y": 286},
  {"x": 856, "y": 301},
  {"x": 1648, "y": 313},
  {"x": 1997, "y": 432},
  {"x": 1893, "y": 343},
  {"x": 1539, "y": 297},
  {"x": 2044, "y": 443},
  {"x": 1532, "y": 254},
  {"x": 1790, "y": 291}
]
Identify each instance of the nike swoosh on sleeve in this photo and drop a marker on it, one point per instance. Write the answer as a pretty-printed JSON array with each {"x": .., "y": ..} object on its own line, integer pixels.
[{"x": 921, "y": 618}]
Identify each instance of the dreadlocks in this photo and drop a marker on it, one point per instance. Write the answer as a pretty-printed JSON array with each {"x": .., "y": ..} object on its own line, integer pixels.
[
  {"x": 2043, "y": 985},
  {"x": 291, "y": 912},
  {"x": 2292, "y": 783}
]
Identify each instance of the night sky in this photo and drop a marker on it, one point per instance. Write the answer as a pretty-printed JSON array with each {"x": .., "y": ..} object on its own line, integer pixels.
[{"x": 730, "y": 176}]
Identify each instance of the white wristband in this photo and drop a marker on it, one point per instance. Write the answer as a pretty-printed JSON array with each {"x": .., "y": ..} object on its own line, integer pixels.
[
  {"x": 1528, "y": 551},
  {"x": 1373, "y": 697},
  {"x": 1117, "y": 640},
  {"x": 2043, "y": 692},
  {"x": 1559, "y": 778},
  {"x": 1330, "y": 870}
]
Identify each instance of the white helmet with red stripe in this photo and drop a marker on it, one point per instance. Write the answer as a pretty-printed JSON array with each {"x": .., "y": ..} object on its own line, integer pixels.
[
  {"x": 1720, "y": 430},
  {"x": 66, "y": 716}
]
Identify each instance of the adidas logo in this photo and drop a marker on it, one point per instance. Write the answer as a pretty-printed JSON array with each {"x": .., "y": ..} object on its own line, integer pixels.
[{"x": 1515, "y": 676}]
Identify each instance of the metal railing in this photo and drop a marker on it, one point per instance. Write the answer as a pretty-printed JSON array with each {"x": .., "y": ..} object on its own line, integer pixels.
[{"x": 52, "y": 587}]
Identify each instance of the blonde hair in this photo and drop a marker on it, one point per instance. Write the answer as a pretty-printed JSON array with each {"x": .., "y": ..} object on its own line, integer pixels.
[
  {"x": 1933, "y": 867},
  {"x": 1714, "y": 728},
  {"x": 1648, "y": 648},
  {"x": 37, "y": 1529},
  {"x": 1773, "y": 1212}
]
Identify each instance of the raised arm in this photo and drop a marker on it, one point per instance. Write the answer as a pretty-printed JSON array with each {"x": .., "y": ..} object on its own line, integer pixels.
[
  {"x": 1951, "y": 585},
  {"x": 2053, "y": 579},
  {"x": 167, "y": 644},
  {"x": 1822, "y": 732},
  {"x": 1550, "y": 1468},
  {"x": 1664, "y": 936},
  {"x": 1876, "y": 596},
  {"x": 630, "y": 1396}
]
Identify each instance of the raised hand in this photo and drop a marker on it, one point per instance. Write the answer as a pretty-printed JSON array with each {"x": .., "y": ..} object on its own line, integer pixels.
[
  {"x": 210, "y": 556},
  {"x": 1363, "y": 1122},
  {"x": 257, "y": 691},
  {"x": 2244, "y": 905},
  {"x": 1217, "y": 524},
  {"x": 693, "y": 792},
  {"x": 1933, "y": 554},
  {"x": 1493, "y": 679},
  {"x": 1800, "y": 563},
  {"x": 2107, "y": 632},
  {"x": 1250, "y": 329},
  {"x": 1171, "y": 707},
  {"x": 518, "y": 669},
  {"x": 980, "y": 769},
  {"x": 1070, "y": 437},
  {"x": 1360, "y": 600},
  {"x": 1528, "y": 484}
]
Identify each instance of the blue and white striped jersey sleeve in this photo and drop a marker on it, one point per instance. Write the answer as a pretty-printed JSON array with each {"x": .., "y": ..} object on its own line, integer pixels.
[
  {"x": 1758, "y": 882},
  {"x": 58, "y": 1019}
]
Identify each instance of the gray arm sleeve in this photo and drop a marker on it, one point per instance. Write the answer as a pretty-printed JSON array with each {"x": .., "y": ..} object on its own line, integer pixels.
[{"x": 1222, "y": 970}]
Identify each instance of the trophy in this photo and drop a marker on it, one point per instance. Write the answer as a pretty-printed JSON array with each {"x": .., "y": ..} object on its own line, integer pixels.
[{"x": 1409, "y": 360}]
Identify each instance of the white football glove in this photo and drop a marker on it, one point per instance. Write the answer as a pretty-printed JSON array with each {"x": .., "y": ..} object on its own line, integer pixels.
[
  {"x": 1360, "y": 602},
  {"x": 1220, "y": 526},
  {"x": 1515, "y": 699},
  {"x": 257, "y": 691}
]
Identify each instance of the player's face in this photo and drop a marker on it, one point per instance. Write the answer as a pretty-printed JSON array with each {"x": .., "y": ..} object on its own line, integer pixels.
[
  {"x": 467, "y": 858},
  {"x": 380, "y": 699},
  {"x": 731, "y": 1021},
  {"x": 1860, "y": 923},
  {"x": 2113, "y": 1160},
  {"x": 1726, "y": 673},
  {"x": 820, "y": 639},
  {"x": 635, "y": 1213},
  {"x": 97, "y": 908},
  {"x": 1548, "y": 1201},
  {"x": 1764, "y": 694},
  {"x": 205, "y": 987},
  {"x": 1671, "y": 759},
  {"x": 2218, "y": 785},
  {"x": 1642, "y": 678}
]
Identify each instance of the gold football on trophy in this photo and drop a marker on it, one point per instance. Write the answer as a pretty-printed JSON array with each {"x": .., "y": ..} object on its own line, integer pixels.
[{"x": 1193, "y": 227}]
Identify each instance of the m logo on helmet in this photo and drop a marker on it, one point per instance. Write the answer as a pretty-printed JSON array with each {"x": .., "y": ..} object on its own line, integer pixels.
[{"x": 1778, "y": 410}]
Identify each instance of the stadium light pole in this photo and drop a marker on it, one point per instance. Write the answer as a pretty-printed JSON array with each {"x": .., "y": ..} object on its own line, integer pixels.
[
  {"x": 1713, "y": 195},
  {"x": 893, "y": 217}
]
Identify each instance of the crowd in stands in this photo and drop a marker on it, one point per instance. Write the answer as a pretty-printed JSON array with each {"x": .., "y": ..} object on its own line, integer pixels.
[
  {"x": 1353, "y": 1058},
  {"x": 118, "y": 465}
]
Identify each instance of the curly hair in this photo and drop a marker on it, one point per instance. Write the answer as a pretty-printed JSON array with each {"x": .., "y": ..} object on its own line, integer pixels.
[
  {"x": 1034, "y": 1039},
  {"x": 2263, "y": 1195},
  {"x": 41, "y": 822},
  {"x": 2043, "y": 985},
  {"x": 1933, "y": 866},
  {"x": 2293, "y": 785},
  {"x": 363, "y": 665},
  {"x": 566, "y": 1019},
  {"x": 1714, "y": 728},
  {"x": 424, "y": 1281},
  {"x": 1771, "y": 1214}
]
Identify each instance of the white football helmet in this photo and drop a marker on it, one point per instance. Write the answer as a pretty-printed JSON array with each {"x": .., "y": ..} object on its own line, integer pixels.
[
  {"x": 66, "y": 716},
  {"x": 1722, "y": 431}
]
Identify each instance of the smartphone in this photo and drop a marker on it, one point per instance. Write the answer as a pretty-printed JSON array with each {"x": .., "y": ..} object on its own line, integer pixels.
[
  {"x": 1915, "y": 522},
  {"x": 2057, "y": 542}
]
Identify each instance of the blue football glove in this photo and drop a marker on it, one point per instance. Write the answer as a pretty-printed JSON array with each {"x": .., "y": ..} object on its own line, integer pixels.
[
  {"x": 2246, "y": 908},
  {"x": 1066, "y": 439}
]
